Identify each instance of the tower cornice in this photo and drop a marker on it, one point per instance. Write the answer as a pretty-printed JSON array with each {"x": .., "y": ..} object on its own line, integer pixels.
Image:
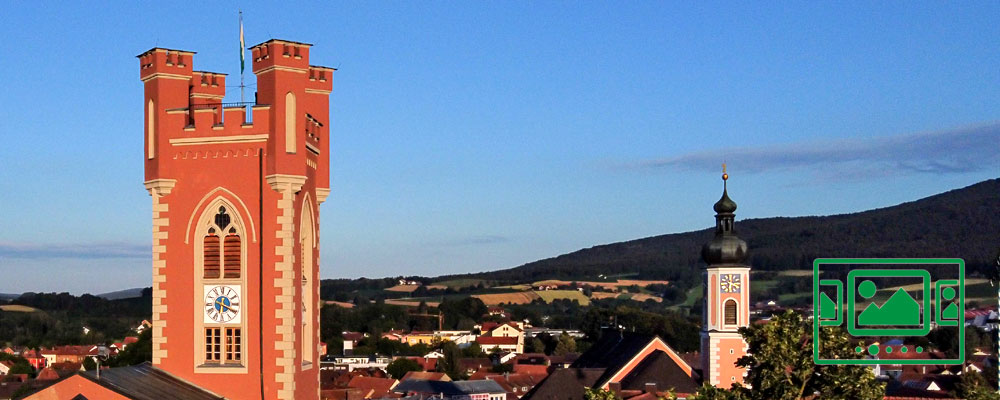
[
  {"x": 285, "y": 182},
  {"x": 159, "y": 187}
]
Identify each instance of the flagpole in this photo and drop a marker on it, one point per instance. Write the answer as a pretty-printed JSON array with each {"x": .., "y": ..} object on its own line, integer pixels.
[{"x": 242, "y": 50}]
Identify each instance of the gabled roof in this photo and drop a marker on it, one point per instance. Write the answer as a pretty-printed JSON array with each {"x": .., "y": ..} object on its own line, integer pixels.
[
  {"x": 615, "y": 351},
  {"x": 372, "y": 387},
  {"x": 660, "y": 369},
  {"x": 565, "y": 383},
  {"x": 144, "y": 382},
  {"x": 426, "y": 376},
  {"x": 448, "y": 388}
]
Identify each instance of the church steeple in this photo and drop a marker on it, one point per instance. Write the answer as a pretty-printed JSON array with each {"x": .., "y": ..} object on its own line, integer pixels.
[
  {"x": 727, "y": 297},
  {"x": 725, "y": 247}
]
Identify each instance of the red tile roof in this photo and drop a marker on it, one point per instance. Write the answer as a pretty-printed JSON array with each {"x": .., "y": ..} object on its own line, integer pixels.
[
  {"x": 47, "y": 374},
  {"x": 372, "y": 387},
  {"x": 426, "y": 376},
  {"x": 493, "y": 340}
]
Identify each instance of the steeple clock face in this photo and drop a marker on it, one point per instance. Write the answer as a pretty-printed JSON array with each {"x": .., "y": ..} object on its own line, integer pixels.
[
  {"x": 222, "y": 304},
  {"x": 730, "y": 283}
]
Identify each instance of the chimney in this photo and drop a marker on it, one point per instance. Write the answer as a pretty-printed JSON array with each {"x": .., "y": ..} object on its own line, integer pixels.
[
  {"x": 616, "y": 388},
  {"x": 651, "y": 387}
]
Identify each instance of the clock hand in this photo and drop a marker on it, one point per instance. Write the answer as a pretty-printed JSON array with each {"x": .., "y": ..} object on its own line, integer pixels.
[{"x": 223, "y": 306}]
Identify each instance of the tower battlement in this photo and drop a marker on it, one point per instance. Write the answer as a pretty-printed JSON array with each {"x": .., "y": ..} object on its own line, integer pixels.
[
  {"x": 159, "y": 61},
  {"x": 280, "y": 54},
  {"x": 289, "y": 119}
]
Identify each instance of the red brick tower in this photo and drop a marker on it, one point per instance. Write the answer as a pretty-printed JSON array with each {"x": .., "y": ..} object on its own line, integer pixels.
[
  {"x": 727, "y": 298},
  {"x": 236, "y": 221}
]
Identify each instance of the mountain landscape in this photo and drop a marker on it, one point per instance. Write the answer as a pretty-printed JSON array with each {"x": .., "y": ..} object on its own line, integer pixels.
[{"x": 963, "y": 223}]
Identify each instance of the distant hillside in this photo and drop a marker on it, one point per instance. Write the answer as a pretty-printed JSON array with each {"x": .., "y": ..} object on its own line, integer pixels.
[
  {"x": 122, "y": 294},
  {"x": 961, "y": 223}
]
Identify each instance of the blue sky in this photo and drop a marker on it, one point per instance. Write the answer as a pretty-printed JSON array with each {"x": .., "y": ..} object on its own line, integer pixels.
[{"x": 471, "y": 136}]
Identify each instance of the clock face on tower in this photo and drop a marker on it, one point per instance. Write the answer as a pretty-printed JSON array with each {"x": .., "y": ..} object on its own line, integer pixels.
[
  {"x": 730, "y": 283},
  {"x": 222, "y": 304}
]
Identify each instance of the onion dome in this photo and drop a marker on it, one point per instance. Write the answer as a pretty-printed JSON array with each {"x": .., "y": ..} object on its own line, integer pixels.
[{"x": 725, "y": 247}]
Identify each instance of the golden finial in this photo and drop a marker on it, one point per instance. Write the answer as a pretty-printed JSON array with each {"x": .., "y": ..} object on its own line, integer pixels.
[{"x": 725, "y": 176}]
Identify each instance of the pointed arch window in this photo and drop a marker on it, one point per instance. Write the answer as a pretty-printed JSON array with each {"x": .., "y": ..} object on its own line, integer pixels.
[
  {"x": 730, "y": 312},
  {"x": 222, "y": 256}
]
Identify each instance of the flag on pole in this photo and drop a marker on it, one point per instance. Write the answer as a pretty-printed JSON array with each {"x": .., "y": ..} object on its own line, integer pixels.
[{"x": 243, "y": 45}]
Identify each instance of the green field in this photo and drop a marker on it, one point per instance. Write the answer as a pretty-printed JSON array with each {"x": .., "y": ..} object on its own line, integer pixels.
[
  {"x": 459, "y": 283},
  {"x": 796, "y": 272},
  {"x": 550, "y": 295}
]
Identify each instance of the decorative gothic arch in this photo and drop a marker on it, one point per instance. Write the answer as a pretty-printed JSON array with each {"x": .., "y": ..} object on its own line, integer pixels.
[
  {"x": 220, "y": 268},
  {"x": 228, "y": 196},
  {"x": 307, "y": 245}
]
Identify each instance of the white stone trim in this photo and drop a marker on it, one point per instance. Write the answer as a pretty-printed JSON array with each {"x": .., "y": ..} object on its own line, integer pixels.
[
  {"x": 280, "y": 68},
  {"x": 244, "y": 211},
  {"x": 322, "y": 194},
  {"x": 158, "y": 188},
  {"x": 165, "y": 75},
  {"x": 284, "y": 311},
  {"x": 219, "y": 140}
]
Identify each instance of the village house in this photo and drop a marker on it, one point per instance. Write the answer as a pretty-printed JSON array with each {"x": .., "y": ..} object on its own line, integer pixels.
[{"x": 473, "y": 390}]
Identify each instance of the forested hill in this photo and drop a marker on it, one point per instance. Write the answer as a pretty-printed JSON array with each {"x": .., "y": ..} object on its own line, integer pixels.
[{"x": 961, "y": 223}]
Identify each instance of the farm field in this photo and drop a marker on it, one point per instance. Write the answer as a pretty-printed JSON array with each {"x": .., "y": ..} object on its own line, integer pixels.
[
  {"x": 508, "y": 298},
  {"x": 457, "y": 283},
  {"x": 17, "y": 308},
  {"x": 550, "y": 295},
  {"x": 606, "y": 285},
  {"x": 411, "y": 302}
]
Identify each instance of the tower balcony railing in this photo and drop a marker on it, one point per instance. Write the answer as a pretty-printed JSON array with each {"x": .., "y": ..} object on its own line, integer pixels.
[{"x": 218, "y": 110}]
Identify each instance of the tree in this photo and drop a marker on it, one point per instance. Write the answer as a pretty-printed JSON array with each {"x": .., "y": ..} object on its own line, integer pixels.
[
  {"x": 89, "y": 364},
  {"x": 780, "y": 363},
  {"x": 599, "y": 394},
  {"x": 135, "y": 353},
  {"x": 973, "y": 386},
  {"x": 709, "y": 392},
  {"x": 566, "y": 345},
  {"x": 400, "y": 366},
  {"x": 535, "y": 345},
  {"x": 474, "y": 350},
  {"x": 450, "y": 363}
]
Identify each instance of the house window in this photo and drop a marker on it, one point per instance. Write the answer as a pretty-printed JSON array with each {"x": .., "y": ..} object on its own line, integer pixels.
[
  {"x": 223, "y": 349},
  {"x": 730, "y": 311},
  {"x": 233, "y": 344},
  {"x": 213, "y": 345}
]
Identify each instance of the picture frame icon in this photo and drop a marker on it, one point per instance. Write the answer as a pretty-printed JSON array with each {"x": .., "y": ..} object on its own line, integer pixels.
[
  {"x": 915, "y": 275},
  {"x": 894, "y": 311},
  {"x": 952, "y": 292},
  {"x": 831, "y": 312}
]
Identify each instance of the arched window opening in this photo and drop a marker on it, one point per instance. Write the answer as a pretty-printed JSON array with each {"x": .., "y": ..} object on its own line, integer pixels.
[
  {"x": 211, "y": 254},
  {"x": 290, "y": 132},
  {"x": 150, "y": 123},
  {"x": 232, "y": 255},
  {"x": 224, "y": 262},
  {"x": 730, "y": 311}
]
